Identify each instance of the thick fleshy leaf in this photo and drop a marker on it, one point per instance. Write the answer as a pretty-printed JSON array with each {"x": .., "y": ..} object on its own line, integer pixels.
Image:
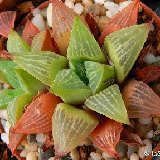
[
  {"x": 8, "y": 95},
  {"x": 42, "y": 65},
  {"x": 127, "y": 17},
  {"x": 149, "y": 12},
  {"x": 3, "y": 78},
  {"x": 140, "y": 100},
  {"x": 16, "y": 44},
  {"x": 5, "y": 55},
  {"x": 82, "y": 45},
  {"x": 109, "y": 102},
  {"x": 124, "y": 46},
  {"x": 100, "y": 76},
  {"x": 131, "y": 139},
  {"x": 28, "y": 83},
  {"x": 70, "y": 126},
  {"x": 79, "y": 68},
  {"x": 8, "y": 69},
  {"x": 43, "y": 42},
  {"x": 14, "y": 141},
  {"x": 62, "y": 20},
  {"x": 38, "y": 115},
  {"x": 29, "y": 32},
  {"x": 69, "y": 87},
  {"x": 16, "y": 107},
  {"x": 107, "y": 135},
  {"x": 7, "y": 20}
]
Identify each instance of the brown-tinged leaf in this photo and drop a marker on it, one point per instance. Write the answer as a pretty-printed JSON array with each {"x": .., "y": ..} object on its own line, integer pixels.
[
  {"x": 43, "y": 42},
  {"x": 127, "y": 17},
  {"x": 107, "y": 135},
  {"x": 92, "y": 25},
  {"x": 14, "y": 141},
  {"x": 148, "y": 11},
  {"x": 38, "y": 115},
  {"x": 62, "y": 20},
  {"x": 44, "y": 5},
  {"x": 131, "y": 139},
  {"x": 7, "y": 20},
  {"x": 5, "y": 55},
  {"x": 25, "y": 7},
  {"x": 29, "y": 32},
  {"x": 147, "y": 74},
  {"x": 140, "y": 100}
]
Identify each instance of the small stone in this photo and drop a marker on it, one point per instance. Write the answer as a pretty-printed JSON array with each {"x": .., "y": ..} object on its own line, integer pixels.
[
  {"x": 3, "y": 122},
  {"x": 51, "y": 158},
  {"x": 24, "y": 153},
  {"x": 134, "y": 156},
  {"x": 31, "y": 138},
  {"x": 69, "y": 3},
  {"x": 44, "y": 13},
  {"x": 121, "y": 148},
  {"x": 32, "y": 147},
  {"x": 41, "y": 138},
  {"x": 106, "y": 155},
  {"x": 78, "y": 8},
  {"x": 109, "y": 14},
  {"x": 102, "y": 11},
  {"x": 36, "y": 11},
  {"x": 108, "y": 5},
  {"x": 102, "y": 21},
  {"x": 95, "y": 156},
  {"x": 49, "y": 15},
  {"x": 47, "y": 154},
  {"x": 124, "y": 4},
  {"x": 32, "y": 156},
  {"x": 7, "y": 127},
  {"x": 87, "y": 2},
  {"x": 145, "y": 120},
  {"x": 149, "y": 58},
  {"x": 99, "y": 1},
  {"x": 5, "y": 138},
  {"x": 3, "y": 114},
  {"x": 150, "y": 134},
  {"x": 97, "y": 9},
  {"x": 156, "y": 121},
  {"x": 132, "y": 150},
  {"x": 75, "y": 154}
]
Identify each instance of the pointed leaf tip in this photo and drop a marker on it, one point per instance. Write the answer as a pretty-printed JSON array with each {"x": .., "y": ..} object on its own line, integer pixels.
[{"x": 141, "y": 101}]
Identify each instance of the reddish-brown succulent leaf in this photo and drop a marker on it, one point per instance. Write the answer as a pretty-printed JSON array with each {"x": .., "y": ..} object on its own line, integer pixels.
[
  {"x": 38, "y": 115},
  {"x": 7, "y": 20},
  {"x": 29, "y": 32},
  {"x": 131, "y": 139},
  {"x": 44, "y": 5},
  {"x": 127, "y": 17},
  {"x": 140, "y": 100},
  {"x": 5, "y": 55},
  {"x": 155, "y": 150},
  {"x": 14, "y": 141},
  {"x": 62, "y": 21},
  {"x": 43, "y": 42},
  {"x": 1, "y": 128},
  {"x": 151, "y": 14},
  {"x": 92, "y": 25},
  {"x": 147, "y": 74},
  {"x": 107, "y": 135}
]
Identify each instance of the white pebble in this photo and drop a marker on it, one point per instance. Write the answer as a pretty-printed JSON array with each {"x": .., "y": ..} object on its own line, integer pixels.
[
  {"x": 99, "y": 1},
  {"x": 3, "y": 114},
  {"x": 149, "y": 58},
  {"x": 39, "y": 22},
  {"x": 150, "y": 134},
  {"x": 106, "y": 155},
  {"x": 157, "y": 58},
  {"x": 109, "y": 14},
  {"x": 124, "y": 4},
  {"x": 134, "y": 156},
  {"x": 32, "y": 156},
  {"x": 36, "y": 11},
  {"x": 49, "y": 15},
  {"x": 108, "y": 5},
  {"x": 3, "y": 122},
  {"x": 5, "y": 138},
  {"x": 95, "y": 156},
  {"x": 7, "y": 127},
  {"x": 69, "y": 3},
  {"x": 32, "y": 147},
  {"x": 78, "y": 8},
  {"x": 87, "y": 2},
  {"x": 51, "y": 158},
  {"x": 144, "y": 120},
  {"x": 44, "y": 12},
  {"x": 24, "y": 153},
  {"x": 75, "y": 154},
  {"x": 41, "y": 138}
]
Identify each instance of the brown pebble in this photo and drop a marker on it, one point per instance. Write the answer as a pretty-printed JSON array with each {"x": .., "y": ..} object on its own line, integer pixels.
[
  {"x": 102, "y": 11},
  {"x": 102, "y": 22}
]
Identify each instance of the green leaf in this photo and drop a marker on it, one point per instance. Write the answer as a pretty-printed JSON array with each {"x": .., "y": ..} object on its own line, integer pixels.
[
  {"x": 79, "y": 68},
  {"x": 82, "y": 45},
  {"x": 124, "y": 46},
  {"x": 70, "y": 127},
  {"x": 8, "y": 69},
  {"x": 8, "y": 95},
  {"x": 16, "y": 107},
  {"x": 100, "y": 76},
  {"x": 16, "y": 44},
  {"x": 69, "y": 87},
  {"x": 3, "y": 78},
  {"x": 28, "y": 83},
  {"x": 109, "y": 102},
  {"x": 42, "y": 65}
]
